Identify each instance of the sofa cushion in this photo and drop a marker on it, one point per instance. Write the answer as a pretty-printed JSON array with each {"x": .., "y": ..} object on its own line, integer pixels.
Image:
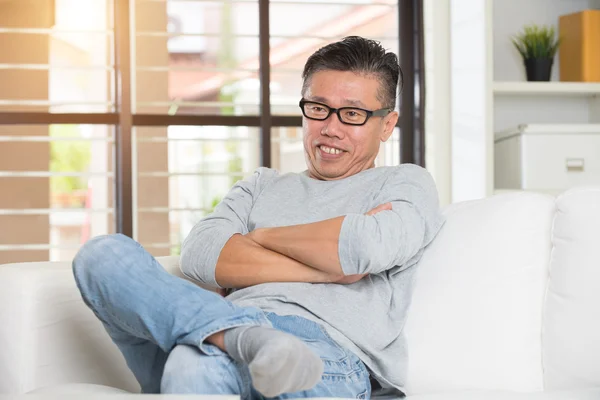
[
  {"x": 571, "y": 330},
  {"x": 476, "y": 316}
]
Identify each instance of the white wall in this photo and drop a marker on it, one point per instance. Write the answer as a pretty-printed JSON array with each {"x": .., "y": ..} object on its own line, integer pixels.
[
  {"x": 462, "y": 112},
  {"x": 509, "y": 17},
  {"x": 472, "y": 163},
  {"x": 437, "y": 99},
  {"x": 512, "y": 110}
]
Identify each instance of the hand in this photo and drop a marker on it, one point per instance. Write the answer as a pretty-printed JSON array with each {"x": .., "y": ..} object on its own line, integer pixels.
[{"x": 383, "y": 207}]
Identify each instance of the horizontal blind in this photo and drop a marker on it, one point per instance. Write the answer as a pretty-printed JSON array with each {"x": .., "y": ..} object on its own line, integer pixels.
[
  {"x": 195, "y": 95},
  {"x": 56, "y": 191}
]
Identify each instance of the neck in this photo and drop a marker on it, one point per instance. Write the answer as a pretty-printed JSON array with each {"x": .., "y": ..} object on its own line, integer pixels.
[{"x": 312, "y": 175}]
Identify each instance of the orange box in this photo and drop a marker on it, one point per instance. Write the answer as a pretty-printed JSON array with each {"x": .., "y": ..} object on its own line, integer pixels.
[{"x": 580, "y": 48}]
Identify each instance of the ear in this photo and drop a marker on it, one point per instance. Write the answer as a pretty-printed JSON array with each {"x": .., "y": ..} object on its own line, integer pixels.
[{"x": 389, "y": 123}]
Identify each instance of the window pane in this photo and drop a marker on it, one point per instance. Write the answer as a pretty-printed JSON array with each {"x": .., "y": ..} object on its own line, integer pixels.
[
  {"x": 287, "y": 150},
  {"x": 56, "y": 189},
  {"x": 181, "y": 173},
  {"x": 314, "y": 25},
  {"x": 196, "y": 57},
  {"x": 56, "y": 56}
]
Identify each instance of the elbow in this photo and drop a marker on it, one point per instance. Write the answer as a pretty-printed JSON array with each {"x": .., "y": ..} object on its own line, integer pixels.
[
  {"x": 378, "y": 261},
  {"x": 199, "y": 257},
  {"x": 184, "y": 261},
  {"x": 382, "y": 252},
  {"x": 189, "y": 263},
  {"x": 186, "y": 264},
  {"x": 367, "y": 257},
  {"x": 362, "y": 249}
]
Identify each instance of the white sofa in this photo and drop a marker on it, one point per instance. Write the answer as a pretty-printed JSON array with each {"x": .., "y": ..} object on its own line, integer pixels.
[{"x": 507, "y": 305}]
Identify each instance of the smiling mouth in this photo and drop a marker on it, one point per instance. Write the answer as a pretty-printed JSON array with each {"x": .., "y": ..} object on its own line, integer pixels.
[{"x": 330, "y": 150}]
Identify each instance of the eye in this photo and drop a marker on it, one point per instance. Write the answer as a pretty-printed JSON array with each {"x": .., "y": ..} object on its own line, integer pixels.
[{"x": 354, "y": 115}]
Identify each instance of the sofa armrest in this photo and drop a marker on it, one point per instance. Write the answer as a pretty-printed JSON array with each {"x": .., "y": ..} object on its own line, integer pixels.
[{"x": 49, "y": 337}]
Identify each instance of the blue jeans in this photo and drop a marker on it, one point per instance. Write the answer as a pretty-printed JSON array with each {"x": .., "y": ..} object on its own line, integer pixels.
[{"x": 160, "y": 323}]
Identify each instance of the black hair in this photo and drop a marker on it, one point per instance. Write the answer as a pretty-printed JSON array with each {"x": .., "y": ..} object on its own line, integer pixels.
[{"x": 362, "y": 56}]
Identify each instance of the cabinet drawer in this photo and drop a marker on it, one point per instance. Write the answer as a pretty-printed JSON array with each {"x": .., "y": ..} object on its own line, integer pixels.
[{"x": 559, "y": 161}]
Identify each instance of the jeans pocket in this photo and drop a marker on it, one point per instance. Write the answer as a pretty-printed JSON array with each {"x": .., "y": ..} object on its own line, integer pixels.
[
  {"x": 328, "y": 352},
  {"x": 332, "y": 342},
  {"x": 338, "y": 364}
]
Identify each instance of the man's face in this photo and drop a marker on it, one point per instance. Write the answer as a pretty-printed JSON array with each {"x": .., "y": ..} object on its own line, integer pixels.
[{"x": 356, "y": 147}]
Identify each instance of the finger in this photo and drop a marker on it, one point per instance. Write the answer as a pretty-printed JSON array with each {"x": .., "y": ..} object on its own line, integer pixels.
[
  {"x": 374, "y": 211},
  {"x": 382, "y": 207}
]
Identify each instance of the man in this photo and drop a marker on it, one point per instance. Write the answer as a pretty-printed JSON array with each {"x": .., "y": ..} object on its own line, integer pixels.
[{"x": 322, "y": 262}]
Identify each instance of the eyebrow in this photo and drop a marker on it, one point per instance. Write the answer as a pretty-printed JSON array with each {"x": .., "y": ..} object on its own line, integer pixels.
[{"x": 356, "y": 103}]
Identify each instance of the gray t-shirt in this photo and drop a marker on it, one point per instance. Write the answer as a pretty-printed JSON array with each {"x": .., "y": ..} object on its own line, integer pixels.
[{"x": 367, "y": 317}]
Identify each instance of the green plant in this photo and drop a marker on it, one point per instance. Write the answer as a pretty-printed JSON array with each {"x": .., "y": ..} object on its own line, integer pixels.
[
  {"x": 68, "y": 156},
  {"x": 537, "y": 42}
]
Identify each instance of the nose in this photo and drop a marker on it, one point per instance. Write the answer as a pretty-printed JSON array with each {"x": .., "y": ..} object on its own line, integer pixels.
[{"x": 333, "y": 127}]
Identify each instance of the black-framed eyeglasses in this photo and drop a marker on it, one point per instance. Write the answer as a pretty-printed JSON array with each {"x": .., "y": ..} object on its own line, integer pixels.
[{"x": 347, "y": 115}]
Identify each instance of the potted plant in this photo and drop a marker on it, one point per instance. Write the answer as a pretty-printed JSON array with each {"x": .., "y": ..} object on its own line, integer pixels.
[{"x": 538, "y": 46}]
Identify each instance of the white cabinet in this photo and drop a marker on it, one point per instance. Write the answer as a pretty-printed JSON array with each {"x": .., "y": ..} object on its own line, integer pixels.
[
  {"x": 490, "y": 94},
  {"x": 547, "y": 158},
  {"x": 557, "y": 143}
]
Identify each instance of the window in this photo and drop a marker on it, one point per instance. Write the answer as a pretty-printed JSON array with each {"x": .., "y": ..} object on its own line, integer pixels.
[
  {"x": 56, "y": 191},
  {"x": 137, "y": 116}
]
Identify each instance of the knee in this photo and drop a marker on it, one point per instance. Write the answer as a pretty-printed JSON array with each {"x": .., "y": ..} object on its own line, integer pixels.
[
  {"x": 95, "y": 259},
  {"x": 189, "y": 371}
]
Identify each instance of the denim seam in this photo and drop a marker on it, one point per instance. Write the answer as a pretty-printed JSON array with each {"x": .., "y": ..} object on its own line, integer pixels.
[
  {"x": 246, "y": 392},
  {"x": 132, "y": 329},
  {"x": 245, "y": 321},
  {"x": 343, "y": 375},
  {"x": 98, "y": 307}
]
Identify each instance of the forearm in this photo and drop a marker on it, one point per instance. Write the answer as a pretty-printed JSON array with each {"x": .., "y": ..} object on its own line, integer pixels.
[
  {"x": 244, "y": 263},
  {"x": 314, "y": 244}
]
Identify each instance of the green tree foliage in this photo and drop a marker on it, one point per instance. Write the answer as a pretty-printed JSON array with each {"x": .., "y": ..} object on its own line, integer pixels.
[{"x": 68, "y": 156}]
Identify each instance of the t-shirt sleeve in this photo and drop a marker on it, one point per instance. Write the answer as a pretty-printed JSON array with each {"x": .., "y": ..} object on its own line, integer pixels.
[
  {"x": 373, "y": 244},
  {"x": 202, "y": 247}
]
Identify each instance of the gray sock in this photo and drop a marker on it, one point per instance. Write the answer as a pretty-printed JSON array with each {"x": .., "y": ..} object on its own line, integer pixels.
[{"x": 279, "y": 363}]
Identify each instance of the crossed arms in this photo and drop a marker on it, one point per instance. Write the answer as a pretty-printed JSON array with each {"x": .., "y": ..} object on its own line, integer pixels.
[
  {"x": 300, "y": 253},
  {"x": 221, "y": 251}
]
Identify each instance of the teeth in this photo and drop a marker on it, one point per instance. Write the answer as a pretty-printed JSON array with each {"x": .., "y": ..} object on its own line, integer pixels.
[{"x": 330, "y": 150}]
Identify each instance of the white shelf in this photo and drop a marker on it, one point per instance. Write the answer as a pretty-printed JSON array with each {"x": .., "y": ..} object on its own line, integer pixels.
[{"x": 547, "y": 88}]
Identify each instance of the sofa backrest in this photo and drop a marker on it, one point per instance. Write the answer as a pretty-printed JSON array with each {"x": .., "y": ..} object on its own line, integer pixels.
[
  {"x": 571, "y": 331},
  {"x": 476, "y": 316}
]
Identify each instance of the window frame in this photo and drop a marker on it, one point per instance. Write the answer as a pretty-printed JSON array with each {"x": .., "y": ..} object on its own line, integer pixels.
[{"x": 411, "y": 122}]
